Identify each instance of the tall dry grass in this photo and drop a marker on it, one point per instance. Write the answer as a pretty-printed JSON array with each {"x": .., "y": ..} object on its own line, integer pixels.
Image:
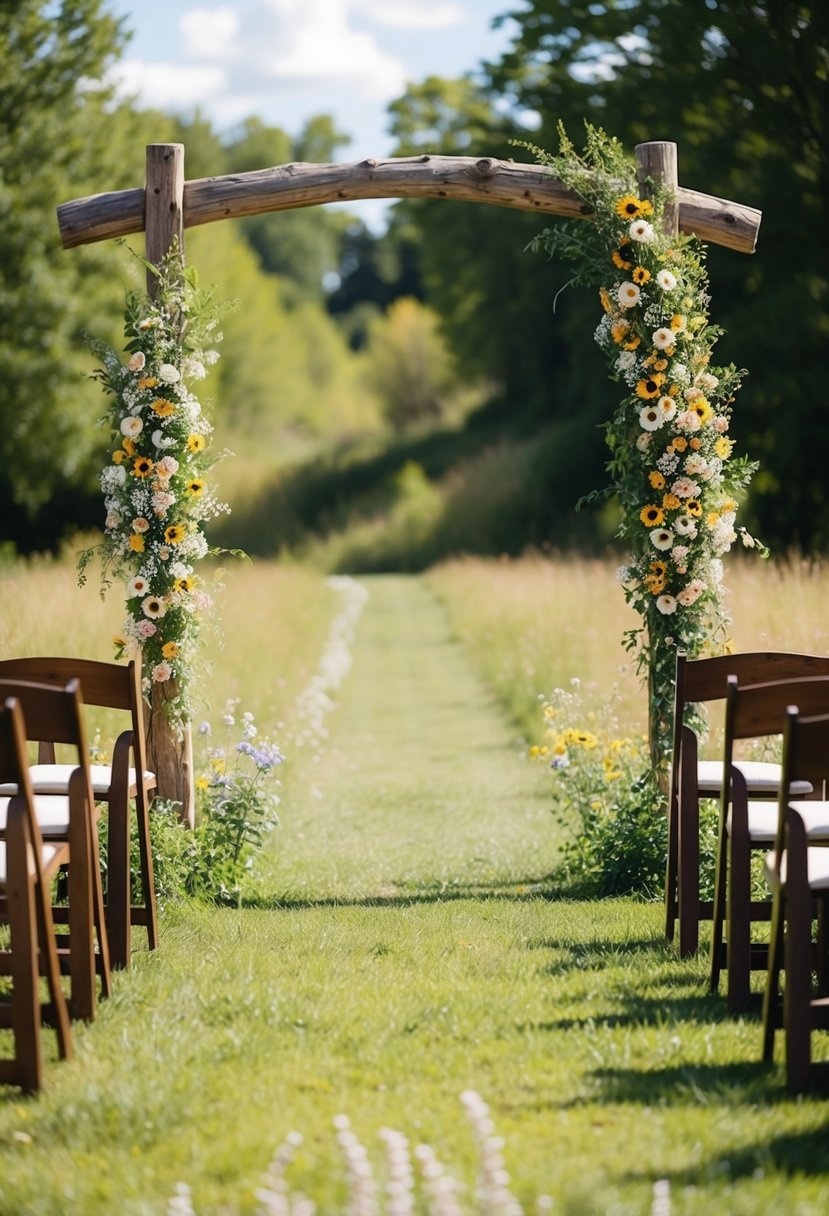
[{"x": 536, "y": 623}]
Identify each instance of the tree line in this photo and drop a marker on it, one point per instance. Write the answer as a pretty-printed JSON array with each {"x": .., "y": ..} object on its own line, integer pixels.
[{"x": 343, "y": 330}]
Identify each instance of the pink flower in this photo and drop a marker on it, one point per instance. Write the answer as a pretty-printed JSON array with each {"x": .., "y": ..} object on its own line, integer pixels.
[
  {"x": 136, "y": 363},
  {"x": 146, "y": 629},
  {"x": 683, "y": 487},
  {"x": 161, "y": 672}
]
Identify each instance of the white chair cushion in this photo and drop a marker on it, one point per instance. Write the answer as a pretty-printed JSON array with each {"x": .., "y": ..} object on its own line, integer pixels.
[
  {"x": 52, "y": 811},
  {"x": 761, "y": 778},
  {"x": 817, "y": 861},
  {"x": 762, "y": 820},
  {"x": 49, "y": 851},
  {"x": 54, "y": 779}
]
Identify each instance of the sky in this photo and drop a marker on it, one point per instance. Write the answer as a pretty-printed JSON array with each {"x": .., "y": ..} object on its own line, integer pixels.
[{"x": 285, "y": 60}]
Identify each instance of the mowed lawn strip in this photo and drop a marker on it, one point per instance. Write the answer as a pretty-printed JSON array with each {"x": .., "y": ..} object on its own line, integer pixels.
[{"x": 408, "y": 952}]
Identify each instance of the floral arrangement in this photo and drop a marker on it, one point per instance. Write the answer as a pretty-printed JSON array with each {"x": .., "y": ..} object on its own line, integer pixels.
[
  {"x": 155, "y": 486},
  {"x": 672, "y": 461},
  {"x": 616, "y": 839}
]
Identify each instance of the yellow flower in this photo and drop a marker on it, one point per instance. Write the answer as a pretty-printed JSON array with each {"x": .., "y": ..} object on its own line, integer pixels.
[
  {"x": 632, "y": 208},
  {"x": 169, "y": 650},
  {"x": 195, "y": 486},
  {"x": 175, "y": 534},
  {"x": 137, "y": 542},
  {"x": 618, "y": 330},
  {"x": 671, "y": 503},
  {"x": 680, "y": 443},
  {"x": 147, "y": 382},
  {"x": 129, "y": 447},
  {"x": 202, "y": 783},
  {"x": 641, "y": 275},
  {"x": 119, "y": 456},
  {"x": 693, "y": 506},
  {"x": 652, "y": 387},
  {"x": 218, "y": 763},
  {"x": 163, "y": 407},
  {"x": 652, "y": 516},
  {"x": 659, "y": 365},
  {"x": 632, "y": 343},
  {"x": 712, "y": 518},
  {"x": 677, "y": 323},
  {"x": 620, "y": 260},
  {"x": 696, "y": 444},
  {"x": 195, "y": 443},
  {"x": 604, "y": 298},
  {"x": 183, "y": 585},
  {"x": 723, "y": 447},
  {"x": 656, "y": 479},
  {"x": 703, "y": 410},
  {"x": 142, "y": 467},
  {"x": 659, "y": 568},
  {"x": 654, "y": 584}
]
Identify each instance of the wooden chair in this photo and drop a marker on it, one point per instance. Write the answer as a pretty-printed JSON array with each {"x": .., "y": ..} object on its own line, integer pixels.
[
  {"x": 754, "y": 712},
  {"x": 54, "y": 715},
  {"x": 701, "y": 681},
  {"x": 119, "y": 784},
  {"x": 27, "y": 866},
  {"x": 799, "y": 877}
]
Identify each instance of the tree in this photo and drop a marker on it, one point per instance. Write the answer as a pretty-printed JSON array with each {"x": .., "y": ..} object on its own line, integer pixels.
[
  {"x": 59, "y": 137},
  {"x": 409, "y": 365}
]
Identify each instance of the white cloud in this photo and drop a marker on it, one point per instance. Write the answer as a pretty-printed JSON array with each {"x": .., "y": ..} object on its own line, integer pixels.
[
  {"x": 167, "y": 85},
  {"x": 413, "y": 14},
  {"x": 208, "y": 32}
]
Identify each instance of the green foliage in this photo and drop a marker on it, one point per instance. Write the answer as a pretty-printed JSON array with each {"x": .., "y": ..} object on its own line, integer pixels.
[{"x": 409, "y": 365}]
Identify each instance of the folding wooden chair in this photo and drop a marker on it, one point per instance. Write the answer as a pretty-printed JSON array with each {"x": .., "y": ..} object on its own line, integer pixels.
[
  {"x": 702, "y": 681},
  {"x": 753, "y": 712},
  {"x": 27, "y": 866},
  {"x": 56, "y": 716},
  {"x": 111, "y": 686},
  {"x": 799, "y": 877}
]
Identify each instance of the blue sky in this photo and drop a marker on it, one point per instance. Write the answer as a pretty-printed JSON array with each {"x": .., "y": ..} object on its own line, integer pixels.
[{"x": 285, "y": 60}]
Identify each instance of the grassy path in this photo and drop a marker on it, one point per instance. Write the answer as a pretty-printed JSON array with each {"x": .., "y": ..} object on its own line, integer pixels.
[
  {"x": 406, "y": 951},
  {"x": 420, "y": 786}
]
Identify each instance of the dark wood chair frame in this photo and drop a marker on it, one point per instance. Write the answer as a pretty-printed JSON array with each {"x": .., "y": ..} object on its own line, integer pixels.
[
  {"x": 55, "y": 715},
  {"x": 795, "y": 906},
  {"x": 752, "y": 712},
  {"x": 112, "y": 686},
  {"x": 25, "y": 905},
  {"x": 703, "y": 681}
]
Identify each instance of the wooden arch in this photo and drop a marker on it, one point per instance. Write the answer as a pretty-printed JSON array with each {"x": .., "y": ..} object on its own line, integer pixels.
[{"x": 168, "y": 204}]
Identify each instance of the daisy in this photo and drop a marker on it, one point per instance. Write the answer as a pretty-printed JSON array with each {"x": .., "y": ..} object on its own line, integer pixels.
[
  {"x": 628, "y": 295},
  {"x": 666, "y": 605},
  {"x": 651, "y": 418},
  {"x": 153, "y": 607},
  {"x": 664, "y": 339},
  {"x": 684, "y": 525},
  {"x": 666, "y": 280},
  {"x": 136, "y": 586},
  {"x": 641, "y": 230},
  {"x": 662, "y": 538}
]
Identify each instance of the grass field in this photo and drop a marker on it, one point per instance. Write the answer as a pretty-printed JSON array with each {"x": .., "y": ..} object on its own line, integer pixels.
[{"x": 405, "y": 946}]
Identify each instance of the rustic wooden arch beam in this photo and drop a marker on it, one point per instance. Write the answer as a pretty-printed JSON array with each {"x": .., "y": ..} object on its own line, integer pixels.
[{"x": 463, "y": 178}]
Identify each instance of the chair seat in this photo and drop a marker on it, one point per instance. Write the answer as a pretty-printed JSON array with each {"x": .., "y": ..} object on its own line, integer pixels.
[
  {"x": 54, "y": 779},
  {"x": 762, "y": 820},
  {"x": 50, "y": 852},
  {"x": 817, "y": 861},
  {"x": 761, "y": 777},
  {"x": 51, "y": 810}
]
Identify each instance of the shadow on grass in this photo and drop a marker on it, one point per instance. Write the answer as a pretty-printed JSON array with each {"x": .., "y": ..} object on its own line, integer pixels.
[
  {"x": 739, "y": 1083},
  {"x": 526, "y": 891},
  {"x": 659, "y": 1011}
]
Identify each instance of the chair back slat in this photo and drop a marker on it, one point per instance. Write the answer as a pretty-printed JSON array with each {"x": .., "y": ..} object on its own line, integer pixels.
[
  {"x": 760, "y": 709},
  {"x": 55, "y": 719},
  {"x": 103, "y": 684},
  {"x": 806, "y": 744},
  {"x": 706, "y": 679}
]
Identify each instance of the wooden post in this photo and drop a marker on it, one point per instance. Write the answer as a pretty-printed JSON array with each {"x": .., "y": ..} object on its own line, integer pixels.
[
  {"x": 169, "y": 756},
  {"x": 656, "y": 164}
]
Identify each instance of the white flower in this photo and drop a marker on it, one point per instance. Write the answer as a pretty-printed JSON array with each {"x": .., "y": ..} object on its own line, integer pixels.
[
  {"x": 663, "y": 339},
  {"x": 193, "y": 369},
  {"x": 666, "y": 280},
  {"x": 136, "y": 586},
  {"x": 717, "y": 571},
  {"x": 679, "y": 554},
  {"x": 720, "y": 424},
  {"x": 161, "y": 441},
  {"x": 114, "y": 476},
  {"x": 623, "y": 574},
  {"x": 113, "y": 519},
  {"x": 136, "y": 363},
  {"x": 626, "y": 361},
  {"x": 667, "y": 406},
  {"x": 169, "y": 374},
  {"x": 662, "y": 538},
  {"x": 707, "y": 381},
  {"x": 166, "y": 467},
  {"x": 153, "y": 607},
  {"x": 641, "y": 230},
  {"x": 679, "y": 371},
  {"x": 685, "y": 525},
  {"x": 643, "y": 442},
  {"x": 695, "y": 465},
  {"x": 149, "y": 323},
  {"x": 628, "y": 295},
  {"x": 692, "y": 394},
  {"x": 180, "y": 569},
  {"x": 683, "y": 487},
  {"x": 651, "y": 418},
  {"x": 131, "y": 427},
  {"x": 666, "y": 605}
]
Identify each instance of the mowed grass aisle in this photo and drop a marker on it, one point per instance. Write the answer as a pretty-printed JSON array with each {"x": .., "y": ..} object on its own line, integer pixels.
[{"x": 407, "y": 948}]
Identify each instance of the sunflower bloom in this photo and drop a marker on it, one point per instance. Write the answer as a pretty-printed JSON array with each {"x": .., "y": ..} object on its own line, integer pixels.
[
  {"x": 656, "y": 480},
  {"x": 694, "y": 507},
  {"x": 142, "y": 467},
  {"x": 650, "y": 388},
  {"x": 195, "y": 443},
  {"x": 175, "y": 534},
  {"x": 632, "y": 208},
  {"x": 195, "y": 486},
  {"x": 652, "y": 516},
  {"x": 641, "y": 275}
]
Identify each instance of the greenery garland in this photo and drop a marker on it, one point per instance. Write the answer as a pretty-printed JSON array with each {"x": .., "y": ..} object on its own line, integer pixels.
[
  {"x": 155, "y": 487},
  {"x": 672, "y": 463}
]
